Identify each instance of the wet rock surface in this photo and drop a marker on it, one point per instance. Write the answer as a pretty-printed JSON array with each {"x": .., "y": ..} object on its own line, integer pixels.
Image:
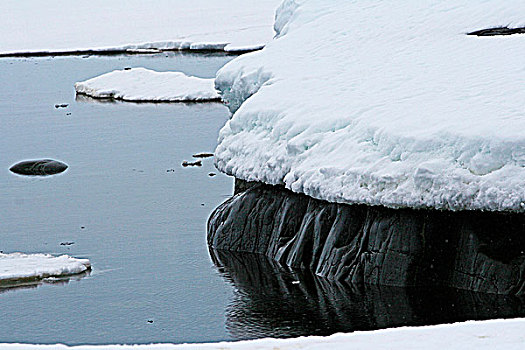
[
  {"x": 195, "y": 163},
  {"x": 202, "y": 155},
  {"x": 357, "y": 244},
  {"x": 42, "y": 167},
  {"x": 268, "y": 302}
]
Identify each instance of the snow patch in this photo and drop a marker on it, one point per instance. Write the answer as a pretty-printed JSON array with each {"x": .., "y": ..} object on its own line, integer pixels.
[
  {"x": 20, "y": 267},
  {"x": 383, "y": 105},
  {"x": 283, "y": 16},
  {"x": 141, "y": 85}
]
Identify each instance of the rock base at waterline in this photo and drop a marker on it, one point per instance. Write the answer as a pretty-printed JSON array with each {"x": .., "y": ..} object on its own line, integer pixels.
[{"x": 478, "y": 251}]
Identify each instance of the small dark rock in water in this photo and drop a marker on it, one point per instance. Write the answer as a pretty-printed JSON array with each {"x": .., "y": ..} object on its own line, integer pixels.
[
  {"x": 41, "y": 167},
  {"x": 82, "y": 227},
  {"x": 127, "y": 68},
  {"x": 498, "y": 31},
  {"x": 203, "y": 155},
  {"x": 63, "y": 105},
  {"x": 211, "y": 174},
  {"x": 196, "y": 163},
  {"x": 67, "y": 243},
  {"x": 170, "y": 170},
  {"x": 150, "y": 321}
]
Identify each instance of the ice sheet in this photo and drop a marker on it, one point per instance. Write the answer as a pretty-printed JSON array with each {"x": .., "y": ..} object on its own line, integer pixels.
[{"x": 383, "y": 104}]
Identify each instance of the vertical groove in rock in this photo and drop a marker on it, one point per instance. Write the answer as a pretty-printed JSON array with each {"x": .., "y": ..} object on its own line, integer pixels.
[{"x": 479, "y": 251}]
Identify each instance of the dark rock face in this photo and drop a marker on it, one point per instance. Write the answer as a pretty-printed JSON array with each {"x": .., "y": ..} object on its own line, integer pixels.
[
  {"x": 478, "y": 251},
  {"x": 196, "y": 163},
  {"x": 271, "y": 300},
  {"x": 498, "y": 31},
  {"x": 41, "y": 167}
]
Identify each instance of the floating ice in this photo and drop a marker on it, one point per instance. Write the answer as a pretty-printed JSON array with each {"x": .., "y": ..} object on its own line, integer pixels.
[
  {"x": 19, "y": 267},
  {"x": 383, "y": 104},
  {"x": 143, "y": 85}
]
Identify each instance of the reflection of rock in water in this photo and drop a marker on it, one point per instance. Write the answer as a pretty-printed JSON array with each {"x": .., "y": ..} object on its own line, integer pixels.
[
  {"x": 267, "y": 302},
  {"x": 479, "y": 251}
]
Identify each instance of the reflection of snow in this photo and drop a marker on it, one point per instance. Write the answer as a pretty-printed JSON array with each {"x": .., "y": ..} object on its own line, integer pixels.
[
  {"x": 383, "y": 105},
  {"x": 140, "y": 84},
  {"x": 19, "y": 267},
  {"x": 119, "y": 25}
]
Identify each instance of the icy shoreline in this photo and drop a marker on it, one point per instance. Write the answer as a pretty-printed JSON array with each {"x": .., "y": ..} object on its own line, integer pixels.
[
  {"x": 144, "y": 48},
  {"x": 494, "y": 334},
  {"x": 101, "y": 27},
  {"x": 405, "y": 110}
]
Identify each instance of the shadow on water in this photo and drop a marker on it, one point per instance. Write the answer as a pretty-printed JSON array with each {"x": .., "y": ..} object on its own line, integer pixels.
[
  {"x": 274, "y": 301},
  {"x": 12, "y": 285}
]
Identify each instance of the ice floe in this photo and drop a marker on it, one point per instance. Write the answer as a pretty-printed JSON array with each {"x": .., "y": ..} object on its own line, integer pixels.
[
  {"x": 493, "y": 335},
  {"x": 99, "y": 26},
  {"x": 20, "y": 267},
  {"x": 144, "y": 85},
  {"x": 383, "y": 104}
]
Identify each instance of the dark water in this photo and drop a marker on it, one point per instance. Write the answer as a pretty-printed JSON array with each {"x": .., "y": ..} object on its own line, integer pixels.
[
  {"x": 140, "y": 218},
  {"x": 273, "y": 301}
]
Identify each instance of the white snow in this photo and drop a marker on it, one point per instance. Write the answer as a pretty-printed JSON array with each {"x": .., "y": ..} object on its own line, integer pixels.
[
  {"x": 19, "y": 267},
  {"x": 64, "y": 25},
  {"x": 383, "y": 104},
  {"x": 494, "y": 334},
  {"x": 141, "y": 84}
]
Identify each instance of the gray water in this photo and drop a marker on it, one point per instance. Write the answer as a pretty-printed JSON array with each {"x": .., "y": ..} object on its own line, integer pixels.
[
  {"x": 143, "y": 214},
  {"x": 140, "y": 217}
]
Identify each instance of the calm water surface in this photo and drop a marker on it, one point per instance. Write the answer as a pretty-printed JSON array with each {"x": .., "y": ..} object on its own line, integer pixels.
[
  {"x": 144, "y": 216},
  {"x": 140, "y": 218}
]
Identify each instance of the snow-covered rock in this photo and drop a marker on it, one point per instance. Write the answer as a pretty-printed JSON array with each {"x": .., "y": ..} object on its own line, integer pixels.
[
  {"x": 493, "y": 335},
  {"x": 20, "y": 267},
  {"x": 140, "y": 84},
  {"x": 383, "y": 104},
  {"x": 118, "y": 25}
]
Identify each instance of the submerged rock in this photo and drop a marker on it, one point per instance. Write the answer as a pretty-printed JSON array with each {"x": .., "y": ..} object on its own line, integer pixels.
[
  {"x": 42, "y": 167},
  {"x": 358, "y": 244}
]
